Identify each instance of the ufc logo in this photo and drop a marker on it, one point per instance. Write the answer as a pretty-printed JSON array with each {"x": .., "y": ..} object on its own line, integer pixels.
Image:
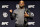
[
  {"x": 5, "y": 6},
  {"x": 4, "y": 23},
  {"x": 31, "y": 6}
]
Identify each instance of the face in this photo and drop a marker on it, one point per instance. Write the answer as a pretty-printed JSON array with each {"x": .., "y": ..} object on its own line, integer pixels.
[{"x": 21, "y": 3}]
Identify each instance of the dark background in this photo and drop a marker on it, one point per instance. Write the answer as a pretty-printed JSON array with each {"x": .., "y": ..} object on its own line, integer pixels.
[{"x": 12, "y": 5}]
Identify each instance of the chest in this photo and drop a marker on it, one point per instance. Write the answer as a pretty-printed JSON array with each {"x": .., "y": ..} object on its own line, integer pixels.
[{"x": 20, "y": 12}]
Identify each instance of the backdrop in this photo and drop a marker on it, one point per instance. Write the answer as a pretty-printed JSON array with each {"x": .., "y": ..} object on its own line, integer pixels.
[{"x": 12, "y": 5}]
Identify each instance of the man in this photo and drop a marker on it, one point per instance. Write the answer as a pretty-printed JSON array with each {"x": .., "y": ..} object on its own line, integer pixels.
[{"x": 18, "y": 15}]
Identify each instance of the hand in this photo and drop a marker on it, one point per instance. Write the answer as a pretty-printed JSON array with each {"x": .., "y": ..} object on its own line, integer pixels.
[
  {"x": 26, "y": 15},
  {"x": 10, "y": 10}
]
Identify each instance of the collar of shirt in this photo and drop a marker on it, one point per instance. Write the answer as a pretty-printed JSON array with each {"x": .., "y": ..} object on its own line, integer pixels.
[{"x": 22, "y": 9}]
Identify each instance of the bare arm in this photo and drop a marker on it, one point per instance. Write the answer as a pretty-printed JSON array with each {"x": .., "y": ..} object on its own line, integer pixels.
[{"x": 12, "y": 15}]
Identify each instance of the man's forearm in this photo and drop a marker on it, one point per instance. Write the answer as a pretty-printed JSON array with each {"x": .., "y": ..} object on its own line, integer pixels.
[{"x": 12, "y": 16}]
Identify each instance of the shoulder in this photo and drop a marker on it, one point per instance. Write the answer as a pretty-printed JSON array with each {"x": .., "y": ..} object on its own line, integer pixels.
[
  {"x": 26, "y": 9},
  {"x": 15, "y": 10}
]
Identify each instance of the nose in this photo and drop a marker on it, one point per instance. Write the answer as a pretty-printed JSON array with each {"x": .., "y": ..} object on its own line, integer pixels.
[{"x": 21, "y": 3}]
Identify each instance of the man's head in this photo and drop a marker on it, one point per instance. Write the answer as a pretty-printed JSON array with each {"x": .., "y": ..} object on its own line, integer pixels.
[{"x": 21, "y": 4}]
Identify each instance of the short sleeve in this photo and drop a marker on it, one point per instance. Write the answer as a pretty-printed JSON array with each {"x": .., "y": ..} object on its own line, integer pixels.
[{"x": 14, "y": 13}]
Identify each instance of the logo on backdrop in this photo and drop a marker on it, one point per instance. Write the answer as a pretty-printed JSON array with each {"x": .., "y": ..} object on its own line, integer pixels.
[{"x": 5, "y": 14}]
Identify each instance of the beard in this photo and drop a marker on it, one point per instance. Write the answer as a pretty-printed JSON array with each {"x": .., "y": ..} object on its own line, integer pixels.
[{"x": 21, "y": 7}]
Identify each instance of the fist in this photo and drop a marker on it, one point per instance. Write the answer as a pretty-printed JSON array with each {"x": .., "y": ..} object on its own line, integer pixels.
[
  {"x": 26, "y": 15},
  {"x": 10, "y": 10}
]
